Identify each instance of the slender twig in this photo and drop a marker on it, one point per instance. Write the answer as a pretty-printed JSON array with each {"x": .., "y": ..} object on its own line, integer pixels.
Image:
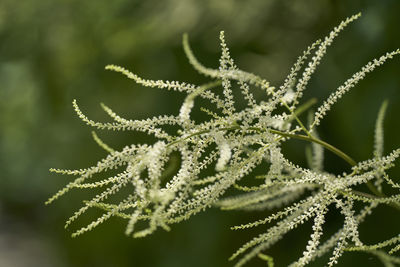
[
  {"x": 318, "y": 141},
  {"x": 311, "y": 138}
]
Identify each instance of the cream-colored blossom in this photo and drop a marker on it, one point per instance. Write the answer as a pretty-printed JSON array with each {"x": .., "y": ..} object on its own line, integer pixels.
[{"x": 192, "y": 164}]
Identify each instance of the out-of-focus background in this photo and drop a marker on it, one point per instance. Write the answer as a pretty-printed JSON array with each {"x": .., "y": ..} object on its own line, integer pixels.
[{"x": 52, "y": 52}]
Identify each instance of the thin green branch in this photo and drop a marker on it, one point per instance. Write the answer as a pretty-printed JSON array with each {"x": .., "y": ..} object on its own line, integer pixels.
[
  {"x": 331, "y": 148},
  {"x": 326, "y": 145},
  {"x": 305, "y": 106},
  {"x": 310, "y": 138},
  {"x": 297, "y": 119}
]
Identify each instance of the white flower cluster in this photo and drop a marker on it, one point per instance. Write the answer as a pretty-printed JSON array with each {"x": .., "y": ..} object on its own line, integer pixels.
[{"x": 170, "y": 180}]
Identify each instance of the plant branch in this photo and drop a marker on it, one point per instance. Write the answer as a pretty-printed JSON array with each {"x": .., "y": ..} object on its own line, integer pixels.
[
  {"x": 309, "y": 138},
  {"x": 326, "y": 145}
]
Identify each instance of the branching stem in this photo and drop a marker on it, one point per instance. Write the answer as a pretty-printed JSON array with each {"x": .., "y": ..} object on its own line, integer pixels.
[
  {"x": 283, "y": 134},
  {"x": 311, "y": 138},
  {"x": 308, "y": 138}
]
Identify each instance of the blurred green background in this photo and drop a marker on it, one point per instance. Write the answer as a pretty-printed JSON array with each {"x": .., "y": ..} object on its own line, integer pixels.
[{"x": 52, "y": 51}]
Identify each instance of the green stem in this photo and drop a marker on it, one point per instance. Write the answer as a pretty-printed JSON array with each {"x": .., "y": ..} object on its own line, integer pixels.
[
  {"x": 339, "y": 153},
  {"x": 283, "y": 134},
  {"x": 309, "y": 138},
  {"x": 305, "y": 106},
  {"x": 236, "y": 127},
  {"x": 297, "y": 119},
  {"x": 331, "y": 148},
  {"x": 361, "y": 194}
]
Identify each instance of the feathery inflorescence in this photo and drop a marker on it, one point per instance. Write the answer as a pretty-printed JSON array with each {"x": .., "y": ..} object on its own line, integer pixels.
[{"x": 218, "y": 154}]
